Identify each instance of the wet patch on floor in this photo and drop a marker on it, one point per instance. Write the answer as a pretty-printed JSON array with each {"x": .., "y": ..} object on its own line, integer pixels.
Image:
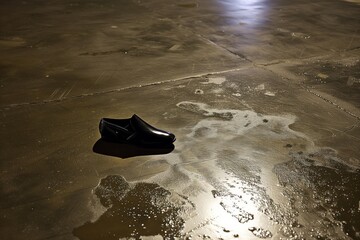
[
  {"x": 239, "y": 171},
  {"x": 134, "y": 210},
  {"x": 230, "y": 171},
  {"x": 324, "y": 191},
  {"x": 246, "y": 198},
  {"x": 237, "y": 186}
]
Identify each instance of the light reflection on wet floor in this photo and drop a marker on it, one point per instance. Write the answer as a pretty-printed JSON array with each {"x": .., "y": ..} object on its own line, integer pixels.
[{"x": 221, "y": 190}]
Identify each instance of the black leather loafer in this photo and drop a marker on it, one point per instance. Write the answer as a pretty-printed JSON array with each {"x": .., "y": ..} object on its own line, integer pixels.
[{"x": 133, "y": 130}]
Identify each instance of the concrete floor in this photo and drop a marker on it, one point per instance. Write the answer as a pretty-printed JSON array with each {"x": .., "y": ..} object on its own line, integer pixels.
[{"x": 263, "y": 97}]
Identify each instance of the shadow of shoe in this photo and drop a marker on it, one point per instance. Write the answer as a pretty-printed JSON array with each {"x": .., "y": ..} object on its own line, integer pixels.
[{"x": 123, "y": 150}]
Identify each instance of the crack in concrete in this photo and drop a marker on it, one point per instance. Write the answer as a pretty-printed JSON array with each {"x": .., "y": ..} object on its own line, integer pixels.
[
  {"x": 352, "y": 127},
  {"x": 346, "y": 131},
  {"x": 312, "y": 92},
  {"x": 15, "y": 105},
  {"x": 243, "y": 57},
  {"x": 269, "y": 63},
  {"x": 333, "y": 103}
]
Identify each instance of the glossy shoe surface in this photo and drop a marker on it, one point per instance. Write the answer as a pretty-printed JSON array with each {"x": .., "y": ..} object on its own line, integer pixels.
[{"x": 134, "y": 130}]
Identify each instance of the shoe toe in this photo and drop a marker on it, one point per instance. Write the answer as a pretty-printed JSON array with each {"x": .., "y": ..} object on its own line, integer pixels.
[{"x": 172, "y": 137}]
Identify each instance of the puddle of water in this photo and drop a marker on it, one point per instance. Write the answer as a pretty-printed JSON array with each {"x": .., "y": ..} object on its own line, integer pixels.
[
  {"x": 238, "y": 173},
  {"x": 232, "y": 172},
  {"x": 322, "y": 186},
  {"x": 133, "y": 210}
]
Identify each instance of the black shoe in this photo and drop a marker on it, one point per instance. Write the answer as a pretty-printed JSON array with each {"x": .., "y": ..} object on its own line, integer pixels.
[{"x": 133, "y": 130}]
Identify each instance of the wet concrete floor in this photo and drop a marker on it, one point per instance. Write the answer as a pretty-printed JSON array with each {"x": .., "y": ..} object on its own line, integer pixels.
[{"x": 263, "y": 97}]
